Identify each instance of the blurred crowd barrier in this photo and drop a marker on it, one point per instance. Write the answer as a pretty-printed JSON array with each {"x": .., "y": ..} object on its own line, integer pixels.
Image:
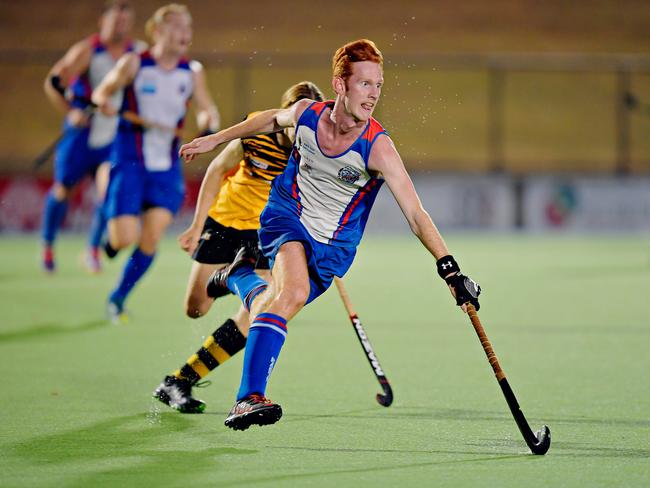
[
  {"x": 558, "y": 203},
  {"x": 474, "y": 202}
]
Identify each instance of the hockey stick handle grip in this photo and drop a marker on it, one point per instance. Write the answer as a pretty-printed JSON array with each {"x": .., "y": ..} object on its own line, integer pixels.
[
  {"x": 347, "y": 303},
  {"x": 485, "y": 342}
]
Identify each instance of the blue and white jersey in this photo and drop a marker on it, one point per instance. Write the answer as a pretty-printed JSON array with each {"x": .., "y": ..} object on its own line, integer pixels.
[
  {"x": 102, "y": 128},
  {"x": 332, "y": 195},
  {"x": 161, "y": 96}
]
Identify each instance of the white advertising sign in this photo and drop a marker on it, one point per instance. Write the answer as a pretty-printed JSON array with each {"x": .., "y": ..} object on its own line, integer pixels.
[
  {"x": 473, "y": 202},
  {"x": 587, "y": 204}
]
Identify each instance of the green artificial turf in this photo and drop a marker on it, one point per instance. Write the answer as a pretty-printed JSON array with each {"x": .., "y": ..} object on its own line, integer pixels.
[{"x": 568, "y": 318}]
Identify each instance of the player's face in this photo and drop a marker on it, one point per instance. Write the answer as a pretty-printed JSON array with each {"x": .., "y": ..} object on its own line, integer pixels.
[
  {"x": 117, "y": 22},
  {"x": 175, "y": 34},
  {"x": 363, "y": 88}
]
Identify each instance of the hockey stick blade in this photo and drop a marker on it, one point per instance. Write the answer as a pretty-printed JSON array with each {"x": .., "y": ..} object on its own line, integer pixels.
[
  {"x": 385, "y": 399},
  {"x": 538, "y": 443}
]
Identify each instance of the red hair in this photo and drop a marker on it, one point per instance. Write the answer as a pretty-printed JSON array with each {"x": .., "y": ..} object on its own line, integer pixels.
[{"x": 353, "y": 52}]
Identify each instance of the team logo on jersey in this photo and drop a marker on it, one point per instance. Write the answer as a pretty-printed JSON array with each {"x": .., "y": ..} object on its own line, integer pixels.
[
  {"x": 149, "y": 88},
  {"x": 349, "y": 175}
]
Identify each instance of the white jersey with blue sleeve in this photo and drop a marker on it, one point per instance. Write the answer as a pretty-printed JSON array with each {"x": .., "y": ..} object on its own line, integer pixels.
[
  {"x": 103, "y": 128},
  {"x": 159, "y": 95}
]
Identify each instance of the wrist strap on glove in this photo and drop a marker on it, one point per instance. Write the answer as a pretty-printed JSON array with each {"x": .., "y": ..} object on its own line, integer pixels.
[{"x": 447, "y": 265}]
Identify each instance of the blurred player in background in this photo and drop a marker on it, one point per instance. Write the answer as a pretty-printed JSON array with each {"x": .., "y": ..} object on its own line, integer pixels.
[
  {"x": 316, "y": 214},
  {"x": 226, "y": 218},
  {"x": 146, "y": 184},
  {"x": 86, "y": 144}
]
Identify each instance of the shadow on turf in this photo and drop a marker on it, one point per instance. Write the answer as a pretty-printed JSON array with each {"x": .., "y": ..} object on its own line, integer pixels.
[
  {"x": 374, "y": 469},
  {"x": 397, "y": 412},
  {"x": 47, "y": 330},
  {"x": 138, "y": 448}
]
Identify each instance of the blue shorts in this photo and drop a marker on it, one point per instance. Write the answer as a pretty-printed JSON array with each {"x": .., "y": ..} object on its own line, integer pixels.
[
  {"x": 324, "y": 261},
  {"x": 73, "y": 158},
  {"x": 132, "y": 189}
]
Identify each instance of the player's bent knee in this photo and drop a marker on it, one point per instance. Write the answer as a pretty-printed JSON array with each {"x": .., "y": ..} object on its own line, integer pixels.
[
  {"x": 121, "y": 241},
  {"x": 197, "y": 306},
  {"x": 193, "y": 312},
  {"x": 294, "y": 299}
]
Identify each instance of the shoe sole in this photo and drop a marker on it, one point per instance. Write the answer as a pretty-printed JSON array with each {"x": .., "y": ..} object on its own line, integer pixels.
[
  {"x": 163, "y": 397},
  {"x": 262, "y": 416}
]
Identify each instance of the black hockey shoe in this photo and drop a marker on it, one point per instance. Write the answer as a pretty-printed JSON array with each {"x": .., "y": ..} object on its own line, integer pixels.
[
  {"x": 216, "y": 286},
  {"x": 177, "y": 393},
  {"x": 253, "y": 410}
]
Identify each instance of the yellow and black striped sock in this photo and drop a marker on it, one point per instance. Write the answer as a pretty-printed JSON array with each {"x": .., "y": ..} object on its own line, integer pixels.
[{"x": 224, "y": 342}]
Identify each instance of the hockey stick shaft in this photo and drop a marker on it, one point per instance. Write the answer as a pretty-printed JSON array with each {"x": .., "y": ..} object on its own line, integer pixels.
[
  {"x": 538, "y": 445},
  {"x": 386, "y": 398},
  {"x": 45, "y": 155}
]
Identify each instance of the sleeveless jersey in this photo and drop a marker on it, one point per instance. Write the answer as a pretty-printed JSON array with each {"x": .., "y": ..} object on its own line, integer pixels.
[
  {"x": 102, "y": 128},
  {"x": 244, "y": 194},
  {"x": 161, "y": 96},
  {"x": 332, "y": 195}
]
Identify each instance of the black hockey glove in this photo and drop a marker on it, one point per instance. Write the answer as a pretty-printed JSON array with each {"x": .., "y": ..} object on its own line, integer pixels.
[{"x": 466, "y": 289}]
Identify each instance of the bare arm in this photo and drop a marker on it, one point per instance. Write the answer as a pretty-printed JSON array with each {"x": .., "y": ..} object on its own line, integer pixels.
[
  {"x": 74, "y": 62},
  {"x": 265, "y": 122},
  {"x": 385, "y": 159},
  {"x": 207, "y": 113},
  {"x": 232, "y": 154},
  {"x": 117, "y": 78}
]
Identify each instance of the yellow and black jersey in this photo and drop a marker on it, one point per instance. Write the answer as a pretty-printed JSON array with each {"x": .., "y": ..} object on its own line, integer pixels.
[{"x": 244, "y": 194}]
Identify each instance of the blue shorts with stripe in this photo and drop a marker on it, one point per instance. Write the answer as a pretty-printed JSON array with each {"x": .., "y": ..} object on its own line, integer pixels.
[
  {"x": 74, "y": 159},
  {"x": 132, "y": 189},
  {"x": 324, "y": 261}
]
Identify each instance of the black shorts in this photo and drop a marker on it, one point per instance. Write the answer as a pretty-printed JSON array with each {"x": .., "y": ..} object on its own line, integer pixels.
[{"x": 219, "y": 244}]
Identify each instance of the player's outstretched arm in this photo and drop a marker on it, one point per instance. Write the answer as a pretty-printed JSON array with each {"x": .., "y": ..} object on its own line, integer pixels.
[
  {"x": 265, "y": 122},
  {"x": 117, "y": 78},
  {"x": 385, "y": 159},
  {"x": 74, "y": 62},
  {"x": 227, "y": 159},
  {"x": 207, "y": 113}
]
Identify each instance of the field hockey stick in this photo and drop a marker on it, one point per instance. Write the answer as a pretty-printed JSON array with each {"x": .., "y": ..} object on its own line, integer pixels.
[
  {"x": 538, "y": 443},
  {"x": 91, "y": 107},
  {"x": 385, "y": 399},
  {"x": 45, "y": 155}
]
